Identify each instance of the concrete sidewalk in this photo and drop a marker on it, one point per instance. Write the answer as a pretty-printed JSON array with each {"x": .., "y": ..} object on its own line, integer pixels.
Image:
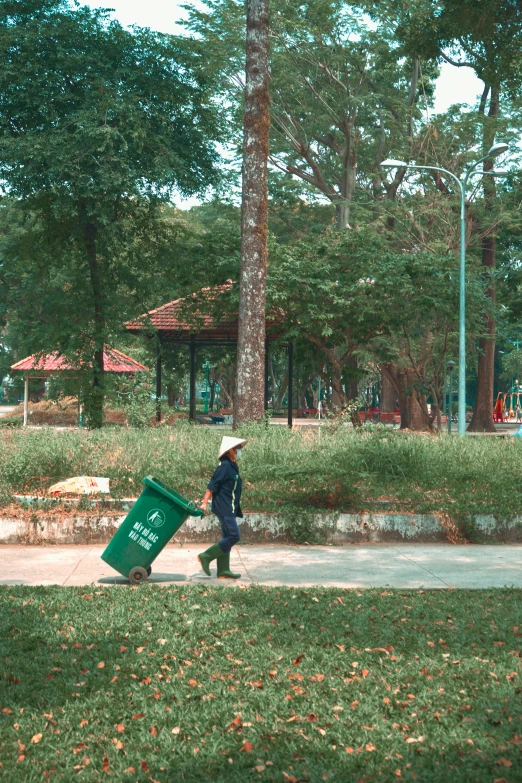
[{"x": 380, "y": 565}]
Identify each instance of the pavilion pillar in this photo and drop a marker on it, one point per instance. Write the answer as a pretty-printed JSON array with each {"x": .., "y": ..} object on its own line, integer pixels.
[
  {"x": 158, "y": 383},
  {"x": 290, "y": 382},
  {"x": 192, "y": 381},
  {"x": 266, "y": 373},
  {"x": 26, "y": 399}
]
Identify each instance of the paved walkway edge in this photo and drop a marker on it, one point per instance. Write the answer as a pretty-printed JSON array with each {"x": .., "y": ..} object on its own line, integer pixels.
[{"x": 271, "y": 528}]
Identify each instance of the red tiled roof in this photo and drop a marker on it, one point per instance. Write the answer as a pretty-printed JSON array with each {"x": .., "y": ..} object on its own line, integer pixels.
[
  {"x": 113, "y": 361},
  {"x": 171, "y": 318}
]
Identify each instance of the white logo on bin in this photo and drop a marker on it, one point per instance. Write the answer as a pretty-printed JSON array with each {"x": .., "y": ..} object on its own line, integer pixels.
[{"x": 156, "y": 517}]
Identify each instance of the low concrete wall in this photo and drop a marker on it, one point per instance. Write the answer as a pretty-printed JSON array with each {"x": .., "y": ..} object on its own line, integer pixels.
[{"x": 259, "y": 528}]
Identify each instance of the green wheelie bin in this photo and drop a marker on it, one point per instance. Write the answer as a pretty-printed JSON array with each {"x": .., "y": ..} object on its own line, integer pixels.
[{"x": 156, "y": 516}]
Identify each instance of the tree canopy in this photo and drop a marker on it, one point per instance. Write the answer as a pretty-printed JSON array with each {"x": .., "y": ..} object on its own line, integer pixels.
[{"x": 98, "y": 126}]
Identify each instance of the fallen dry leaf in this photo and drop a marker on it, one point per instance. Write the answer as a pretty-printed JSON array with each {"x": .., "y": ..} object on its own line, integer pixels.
[
  {"x": 176, "y": 730},
  {"x": 101, "y": 665},
  {"x": 83, "y": 722},
  {"x": 120, "y": 728},
  {"x": 36, "y": 738},
  {"x": 138, "y": 715}
]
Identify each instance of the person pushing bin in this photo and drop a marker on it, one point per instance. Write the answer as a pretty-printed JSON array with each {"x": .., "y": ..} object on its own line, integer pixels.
[
  {"x": 156, "y": 516},
  {"x": 225, "y": 490}
]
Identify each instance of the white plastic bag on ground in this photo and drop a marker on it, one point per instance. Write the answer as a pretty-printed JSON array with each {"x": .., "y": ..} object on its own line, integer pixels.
[{"x": 80, "y": 485}]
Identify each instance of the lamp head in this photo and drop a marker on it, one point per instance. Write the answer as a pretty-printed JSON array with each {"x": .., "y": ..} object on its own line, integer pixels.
[
  {"x": 389, "y": 163},
  {"x": 497, "y": 149},
  {"x": 451, "y": 365},
  {"x": 496, "y": 172}
]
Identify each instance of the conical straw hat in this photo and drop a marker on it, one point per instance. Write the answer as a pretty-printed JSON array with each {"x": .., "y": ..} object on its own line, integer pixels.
[{"x": 229, "y": 443}]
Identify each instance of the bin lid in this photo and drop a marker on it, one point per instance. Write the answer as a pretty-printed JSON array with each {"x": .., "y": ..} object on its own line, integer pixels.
[{"x": 171, "y": 494}]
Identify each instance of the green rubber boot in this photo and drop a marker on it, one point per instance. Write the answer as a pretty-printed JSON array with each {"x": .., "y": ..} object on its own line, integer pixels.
[
  {"x": 223, "y": 567},
  {"x": 210, "y": 554}
]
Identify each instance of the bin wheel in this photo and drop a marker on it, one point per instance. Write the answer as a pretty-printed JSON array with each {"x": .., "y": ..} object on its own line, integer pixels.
[
  {"x": 149, "y": 571},
  {"x": 138, "y": 575}
]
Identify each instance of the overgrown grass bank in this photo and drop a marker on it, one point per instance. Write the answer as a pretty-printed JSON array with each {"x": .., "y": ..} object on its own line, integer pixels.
[
  {"x": 308, "y": 470},
  {"x": 260, "y": 684}
]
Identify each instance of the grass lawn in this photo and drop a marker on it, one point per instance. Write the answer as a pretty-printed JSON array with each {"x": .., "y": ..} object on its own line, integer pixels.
[
  {"x": 268, "y": 684},
  {"x": 304, "y": 471}
]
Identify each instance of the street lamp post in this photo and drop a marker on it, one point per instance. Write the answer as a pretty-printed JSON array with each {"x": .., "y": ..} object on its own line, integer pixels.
[
  {"x": 207, "y": 367},
  {"x": 496, "y": 149}
]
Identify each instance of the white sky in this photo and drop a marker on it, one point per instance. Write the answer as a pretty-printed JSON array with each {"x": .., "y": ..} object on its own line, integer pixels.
[{"x": 455, "y": 85}]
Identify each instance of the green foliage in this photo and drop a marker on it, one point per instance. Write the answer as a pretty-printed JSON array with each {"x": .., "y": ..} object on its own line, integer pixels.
[
  {"x": 512, "y": 366},
  {"x": 315, "y": 471},
  {"x": 341, "y": 95},
  {"x": 356, "y": 292},
  {"x": 98, "y": 126},
  {"x": 271, "y": 683},
  {"x": 135, "y": 396}
]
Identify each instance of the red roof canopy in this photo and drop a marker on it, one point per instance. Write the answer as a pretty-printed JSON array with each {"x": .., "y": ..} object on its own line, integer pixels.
[
  {"x": 171, "y": 320},
  {"x": 113, "y": 361}
]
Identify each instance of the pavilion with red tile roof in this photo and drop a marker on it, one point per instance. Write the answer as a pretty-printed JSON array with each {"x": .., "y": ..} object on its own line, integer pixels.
[
  {"x": 43, "y": 366},
  {"x": 183, "y": 322}
]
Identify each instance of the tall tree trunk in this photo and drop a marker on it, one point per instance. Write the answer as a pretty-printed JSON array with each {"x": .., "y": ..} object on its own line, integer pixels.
[
  {"x": 342, "y": 214},
  {"x": 482, "y": 420},
  {"x": 277, "y": 399},
  {"x": 388, "y": 395},
  {"x": 412, "y": 404},
  {"x": 171, "y": 395},
  {"x": 351, "y": 380},
  {"x": 249, "y": 398},
  {"x": 94, "y": 400}
]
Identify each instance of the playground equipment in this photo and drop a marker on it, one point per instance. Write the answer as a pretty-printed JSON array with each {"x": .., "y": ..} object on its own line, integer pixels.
[{"x": 506, "y": 405}]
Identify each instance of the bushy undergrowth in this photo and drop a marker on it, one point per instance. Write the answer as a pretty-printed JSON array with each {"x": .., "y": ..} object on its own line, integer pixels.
[{"x": 342, "y": 470}]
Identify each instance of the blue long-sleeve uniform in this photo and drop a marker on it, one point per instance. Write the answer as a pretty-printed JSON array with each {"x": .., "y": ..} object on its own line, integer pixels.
[{"x": 225, "y": 486}]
